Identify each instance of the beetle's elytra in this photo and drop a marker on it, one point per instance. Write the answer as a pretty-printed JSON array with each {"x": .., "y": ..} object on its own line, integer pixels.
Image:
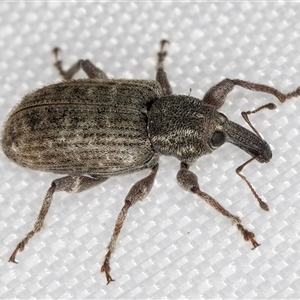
[
  {"x": 95, "y": 128},
  {"x": 83, "y": 120}
]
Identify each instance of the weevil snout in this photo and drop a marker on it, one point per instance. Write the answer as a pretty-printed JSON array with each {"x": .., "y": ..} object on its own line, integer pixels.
[
  {"x": 248, "y": 141},
  {"x": 265, "y": 153}
]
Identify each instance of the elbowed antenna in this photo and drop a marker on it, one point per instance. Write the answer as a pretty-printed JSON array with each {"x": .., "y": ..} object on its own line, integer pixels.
[{"x": 254, "y": 145}]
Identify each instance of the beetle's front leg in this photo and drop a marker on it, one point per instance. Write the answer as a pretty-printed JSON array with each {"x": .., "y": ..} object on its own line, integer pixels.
[
  {"x": 71, "y": 184},
  {"x": 137, "y": 193},
  {"x": 216, "y": 95},
  {"x": 189, "y": 181},
  {"x": 88, "y": 67}
]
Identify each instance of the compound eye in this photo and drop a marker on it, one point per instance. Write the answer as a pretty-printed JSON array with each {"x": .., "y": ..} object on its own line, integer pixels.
[{"x": 218, "y": 139}]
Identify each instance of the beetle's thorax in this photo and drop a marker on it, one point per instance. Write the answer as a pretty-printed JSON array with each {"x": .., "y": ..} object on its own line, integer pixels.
[{"x": 182, "y": 126}]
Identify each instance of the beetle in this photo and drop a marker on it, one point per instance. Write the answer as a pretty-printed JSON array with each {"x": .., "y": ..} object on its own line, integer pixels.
[{"x": 92, "y": 129}]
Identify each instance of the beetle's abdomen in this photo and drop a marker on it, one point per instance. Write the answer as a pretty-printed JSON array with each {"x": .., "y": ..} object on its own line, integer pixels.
[{"x": 82, "y": 127}]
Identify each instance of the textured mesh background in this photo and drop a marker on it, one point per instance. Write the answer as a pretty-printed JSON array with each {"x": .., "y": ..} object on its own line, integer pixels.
[{"x": 173, "y": 245}]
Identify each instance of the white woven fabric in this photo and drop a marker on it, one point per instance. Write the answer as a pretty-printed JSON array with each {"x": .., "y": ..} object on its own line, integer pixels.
[{"x": 173, "y": 245}]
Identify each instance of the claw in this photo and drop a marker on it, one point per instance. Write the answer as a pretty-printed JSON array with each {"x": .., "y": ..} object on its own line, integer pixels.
[
  {"x": 106, "y": 269},
  {"x": 248, "y": 236},
  {"x": 162, "y": 53},
  {"x": 56, "y": 51}
]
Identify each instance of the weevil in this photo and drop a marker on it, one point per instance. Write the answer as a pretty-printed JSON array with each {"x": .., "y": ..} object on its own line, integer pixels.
[{"x": 95, "y": 128}]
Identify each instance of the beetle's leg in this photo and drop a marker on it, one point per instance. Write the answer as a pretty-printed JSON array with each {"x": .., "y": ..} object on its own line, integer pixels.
[
  {"x": 89, "y": 68},
  {"x": 71, "y": 184},
  {"x": 137, "y": 193},
  {"x": 92, "y": 71},
  {"x": 161, "y": 55},
  {"x": 67, "y": 75},
  {"x": 161, "y": 75},
  {"x": 216, "y": 95},
  {"x": 189, "y": 181}
]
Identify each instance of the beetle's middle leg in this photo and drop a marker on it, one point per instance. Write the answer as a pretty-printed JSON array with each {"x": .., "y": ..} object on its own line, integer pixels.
[
  {"x": 137, "y": 193},
  {"x": 70, "y": 184},
  {"x": 161, "y": 75},
  {"x": 88, "y": 67},
  {"x": 216, "y": 95},
  {"x": 189, "y": 181}
]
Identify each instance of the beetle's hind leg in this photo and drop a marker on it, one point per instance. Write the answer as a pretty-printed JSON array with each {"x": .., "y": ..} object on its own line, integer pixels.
[
  {"x": 71, "y": 184},
  {"x": 137, "y": 193},
  {"x": 161, "y": 75},
  {"x": 87, "y": 66},
  {"x": 67, "y": 75}
]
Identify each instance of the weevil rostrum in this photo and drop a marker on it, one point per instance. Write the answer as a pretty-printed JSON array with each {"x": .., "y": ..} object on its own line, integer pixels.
[{"x": 92, "y": 129}]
